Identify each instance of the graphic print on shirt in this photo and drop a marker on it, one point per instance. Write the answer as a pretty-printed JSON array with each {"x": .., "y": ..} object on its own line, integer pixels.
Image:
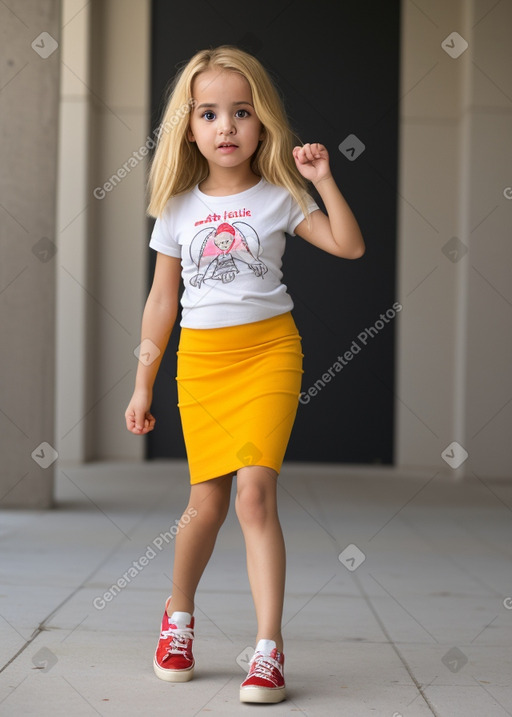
[{"x": 220, "y": 253}]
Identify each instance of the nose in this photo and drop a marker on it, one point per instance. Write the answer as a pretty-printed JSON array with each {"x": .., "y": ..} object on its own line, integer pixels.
[{"x": 226, "y": 125}]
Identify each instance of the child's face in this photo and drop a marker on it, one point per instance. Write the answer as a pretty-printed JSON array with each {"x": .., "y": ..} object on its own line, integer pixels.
[
  {"x": 224, "y": 115},
  {"x": 223, "y": 240}
]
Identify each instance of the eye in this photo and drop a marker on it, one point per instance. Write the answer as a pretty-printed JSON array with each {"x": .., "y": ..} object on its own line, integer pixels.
[
  {"x": 243, "y": 115},
  {"x": 208, "y": 115}
]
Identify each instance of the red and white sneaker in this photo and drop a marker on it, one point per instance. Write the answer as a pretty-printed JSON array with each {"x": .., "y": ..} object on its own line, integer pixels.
[
  {"x": 265, "y": 681},
  {"x": 173, "y": 659}
]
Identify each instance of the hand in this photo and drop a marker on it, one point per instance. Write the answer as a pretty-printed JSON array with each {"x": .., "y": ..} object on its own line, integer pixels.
[
  {"x": 312, "y": 161},
  {"x": 138, "y": 418},
  {"x": 259, "y": 269},
  {"x": 196, "y": 280}
]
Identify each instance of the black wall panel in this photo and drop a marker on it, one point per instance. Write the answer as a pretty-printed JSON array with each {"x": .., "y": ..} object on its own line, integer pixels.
[{"x": 337, "y": 67}]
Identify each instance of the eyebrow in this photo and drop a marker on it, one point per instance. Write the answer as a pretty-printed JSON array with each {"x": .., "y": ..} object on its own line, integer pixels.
[{"x": 213, "y": 104}]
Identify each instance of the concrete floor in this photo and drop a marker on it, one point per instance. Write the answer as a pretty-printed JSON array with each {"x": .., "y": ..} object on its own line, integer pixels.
[{"x": 422, "y": 626}]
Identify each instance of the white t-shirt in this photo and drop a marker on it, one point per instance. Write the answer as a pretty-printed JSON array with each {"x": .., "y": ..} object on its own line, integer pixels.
[{"x": 231, "y": 251}]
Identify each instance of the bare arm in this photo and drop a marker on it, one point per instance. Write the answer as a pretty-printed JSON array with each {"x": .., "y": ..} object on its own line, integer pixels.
[
  {"x": 157, "y": 323},
  {"x": 337, "y": 232}
]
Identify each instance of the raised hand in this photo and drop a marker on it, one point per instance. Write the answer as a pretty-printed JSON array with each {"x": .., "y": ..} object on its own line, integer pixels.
[{"x": 312, "y": 161}]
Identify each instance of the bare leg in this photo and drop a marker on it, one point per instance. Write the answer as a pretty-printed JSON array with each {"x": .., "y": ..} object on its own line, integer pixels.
[
  {"x": 195, "y": 541},
  {"x": 256, "y": 508}
]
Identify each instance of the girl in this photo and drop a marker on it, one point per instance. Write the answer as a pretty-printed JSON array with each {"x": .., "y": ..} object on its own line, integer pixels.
[{"x": 226, "y": 184}]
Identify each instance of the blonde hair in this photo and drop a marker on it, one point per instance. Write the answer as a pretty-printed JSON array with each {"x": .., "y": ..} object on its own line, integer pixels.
[{"x": 178, "y": 165}]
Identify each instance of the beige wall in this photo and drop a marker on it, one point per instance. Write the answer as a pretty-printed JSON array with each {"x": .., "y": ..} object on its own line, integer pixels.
[
  {"x": 29, "y": 89},
  {"x": 102, "y": 279},
  {"x": 454, "y": 338},
  {"x": 488, "y": 118}
]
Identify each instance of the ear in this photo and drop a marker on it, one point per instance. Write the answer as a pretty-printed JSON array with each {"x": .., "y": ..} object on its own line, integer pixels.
[
  {"x": 263, "y": 134},
  {"x": 190, "y": 136}
]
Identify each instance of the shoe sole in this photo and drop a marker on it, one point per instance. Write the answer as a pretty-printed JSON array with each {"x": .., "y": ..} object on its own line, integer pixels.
[
  {"x": 262, "y": 695},
  {"x": 173, "y": 675}
]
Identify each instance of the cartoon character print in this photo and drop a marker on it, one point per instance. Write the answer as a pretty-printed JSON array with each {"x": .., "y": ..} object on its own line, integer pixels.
[{"x": 217, "y": 253}]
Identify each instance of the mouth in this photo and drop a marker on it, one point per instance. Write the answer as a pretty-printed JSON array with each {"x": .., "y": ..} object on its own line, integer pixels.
[{"x": 226, "y": 144}]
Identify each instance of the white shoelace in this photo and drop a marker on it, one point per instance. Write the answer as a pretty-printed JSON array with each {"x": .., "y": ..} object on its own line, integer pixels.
[
  {"x": 180, "y": 638},
  {"x": 264, "y": 665}
]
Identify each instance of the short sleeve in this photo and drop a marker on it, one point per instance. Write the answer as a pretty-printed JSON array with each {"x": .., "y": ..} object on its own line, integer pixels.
[
  {"x": 296, "y": 214},
  {"x": 162, "y": 239}
]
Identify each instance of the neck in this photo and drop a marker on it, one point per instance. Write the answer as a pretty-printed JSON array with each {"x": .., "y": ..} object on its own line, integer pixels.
[{"x": 229, "y": 180}]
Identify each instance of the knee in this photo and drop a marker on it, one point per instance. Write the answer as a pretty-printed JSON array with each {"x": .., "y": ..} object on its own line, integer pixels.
[
  {"x": 253, "y": 505},
  {"x": 211, "y": 514},
  {"x": 209, "y": 502},
  {"x": 210, "y": 511}
]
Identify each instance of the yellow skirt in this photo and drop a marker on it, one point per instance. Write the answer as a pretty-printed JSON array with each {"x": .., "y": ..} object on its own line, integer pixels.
[{"x": 238, "y": 393}]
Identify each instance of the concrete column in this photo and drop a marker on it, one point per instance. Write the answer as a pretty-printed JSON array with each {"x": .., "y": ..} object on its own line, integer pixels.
[
  {"x": 487, "y": 206},
  {"x": 427, "y": 219},
  {"x": 73, "y": 224},
  {"x": 103, "y": 230},
  {"x": 454, "y": 383},
  {"x": 29, "y": 93}
]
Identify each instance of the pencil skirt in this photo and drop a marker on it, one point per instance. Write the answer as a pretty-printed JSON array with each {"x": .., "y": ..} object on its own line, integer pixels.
[{"x": 238, "y": 393}]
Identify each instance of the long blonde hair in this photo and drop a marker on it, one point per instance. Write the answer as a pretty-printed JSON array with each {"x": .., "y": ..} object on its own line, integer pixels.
[{"x": 178, "y": 165}]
